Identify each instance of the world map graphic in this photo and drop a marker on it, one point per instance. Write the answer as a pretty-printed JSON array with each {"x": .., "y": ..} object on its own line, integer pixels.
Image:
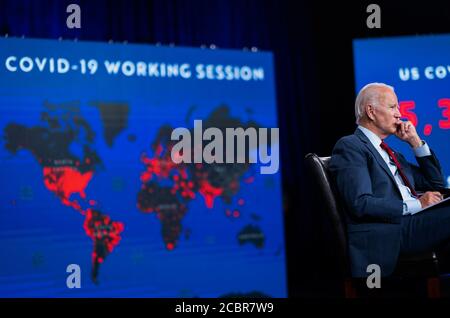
[{"x": 166, "y": 188}]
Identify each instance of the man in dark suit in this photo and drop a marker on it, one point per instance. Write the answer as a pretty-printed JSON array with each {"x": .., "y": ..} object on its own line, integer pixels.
[{"x": 381, "y": 190}]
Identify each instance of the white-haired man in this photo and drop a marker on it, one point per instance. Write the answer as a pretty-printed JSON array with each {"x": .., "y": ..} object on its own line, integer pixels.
[{"x": 382, "y": 192}]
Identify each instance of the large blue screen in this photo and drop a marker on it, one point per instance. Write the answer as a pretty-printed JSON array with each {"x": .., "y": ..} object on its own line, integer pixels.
[
  {"x": 86, "y": 176},
  {"x": 419, "y": 69}
]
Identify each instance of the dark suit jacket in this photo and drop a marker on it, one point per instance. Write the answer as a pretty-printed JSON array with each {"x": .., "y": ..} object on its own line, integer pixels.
[{"x": 372, "y": 200}]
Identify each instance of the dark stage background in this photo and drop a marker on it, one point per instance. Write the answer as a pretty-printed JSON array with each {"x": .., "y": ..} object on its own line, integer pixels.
[{"x": 312, "y": 44}]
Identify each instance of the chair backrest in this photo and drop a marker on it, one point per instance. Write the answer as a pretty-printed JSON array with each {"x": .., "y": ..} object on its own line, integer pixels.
[{"x": 323, "y": 183}]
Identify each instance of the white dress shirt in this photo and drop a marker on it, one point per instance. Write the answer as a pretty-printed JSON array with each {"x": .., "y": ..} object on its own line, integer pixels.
[{"x": 411, "y": 204}]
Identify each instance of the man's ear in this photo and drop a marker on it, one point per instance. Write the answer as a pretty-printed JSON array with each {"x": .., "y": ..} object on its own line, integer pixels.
[{"x": 370, "y": 112}]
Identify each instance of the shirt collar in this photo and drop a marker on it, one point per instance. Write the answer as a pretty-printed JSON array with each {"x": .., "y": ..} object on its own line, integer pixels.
[{"x": 374, "y": 139}]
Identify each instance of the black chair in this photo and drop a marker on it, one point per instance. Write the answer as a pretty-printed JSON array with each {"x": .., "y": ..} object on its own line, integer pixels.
[{"x": 408, "y": 266}]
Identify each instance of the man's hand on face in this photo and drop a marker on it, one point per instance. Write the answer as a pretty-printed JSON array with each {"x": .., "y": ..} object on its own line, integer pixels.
[
  {"x": 407, "y": 132},
  {"x": 429, "y": 198}
]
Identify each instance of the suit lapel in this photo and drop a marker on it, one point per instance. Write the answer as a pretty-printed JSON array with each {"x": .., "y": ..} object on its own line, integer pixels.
[{"x": 375, "y": 153}]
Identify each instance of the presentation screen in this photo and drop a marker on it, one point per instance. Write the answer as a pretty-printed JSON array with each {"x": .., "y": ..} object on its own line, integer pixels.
[
  {"x": 419, "y": 69},
  {"x": 94, "y": 205}
]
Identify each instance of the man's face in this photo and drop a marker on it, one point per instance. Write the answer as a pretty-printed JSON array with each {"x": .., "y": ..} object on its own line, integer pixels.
[{"x": 386, "y": 114}]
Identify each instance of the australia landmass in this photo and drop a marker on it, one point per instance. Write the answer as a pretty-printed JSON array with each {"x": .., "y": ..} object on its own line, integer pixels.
[{"x": 251, "y": 234}]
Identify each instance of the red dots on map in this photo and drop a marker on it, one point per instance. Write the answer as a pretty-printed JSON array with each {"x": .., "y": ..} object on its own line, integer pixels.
[
  {"x": 170, "y": 246},
  {"x": 249, "y": 179},
  {"x": 427, "y": 129},
  {"x": 209, "y": 193},
  {"x": 159, "y": 149},
  {"x": 183, "y": 173},
  {"x": 146, "y": 176},
  {"x": 65, "y": 181},
  {"x": 181, "y": 185},
  {"x": 241, "y": 202},
  {"x": 234, "y": 214},
  {"x": 158, "y": 166},
  {"x": 186, "y": 190},
  {"x": 74, "y": 204},
  {"x": 104, "y": 232}
]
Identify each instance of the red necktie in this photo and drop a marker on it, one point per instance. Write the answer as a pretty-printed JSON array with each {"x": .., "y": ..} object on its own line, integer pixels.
[{"x": 391, "y": 154}]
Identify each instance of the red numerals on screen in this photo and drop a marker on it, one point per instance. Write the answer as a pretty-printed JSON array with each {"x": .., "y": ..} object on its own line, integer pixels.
[
  {"x": 445, "y": 104},
  {"x": 406, "y": 108},
  {"x": 407, "y": 111}
]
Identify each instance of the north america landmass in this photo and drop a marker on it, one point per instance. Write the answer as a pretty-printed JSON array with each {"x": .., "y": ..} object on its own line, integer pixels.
[{"x": 166, "y": 187}]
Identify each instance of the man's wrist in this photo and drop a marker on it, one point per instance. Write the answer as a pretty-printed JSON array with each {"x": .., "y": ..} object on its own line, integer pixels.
[
  {"x": 423, "y": 150},
  {"x": 417, "y": 142},
  {"x": 411, "y": 206}
]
